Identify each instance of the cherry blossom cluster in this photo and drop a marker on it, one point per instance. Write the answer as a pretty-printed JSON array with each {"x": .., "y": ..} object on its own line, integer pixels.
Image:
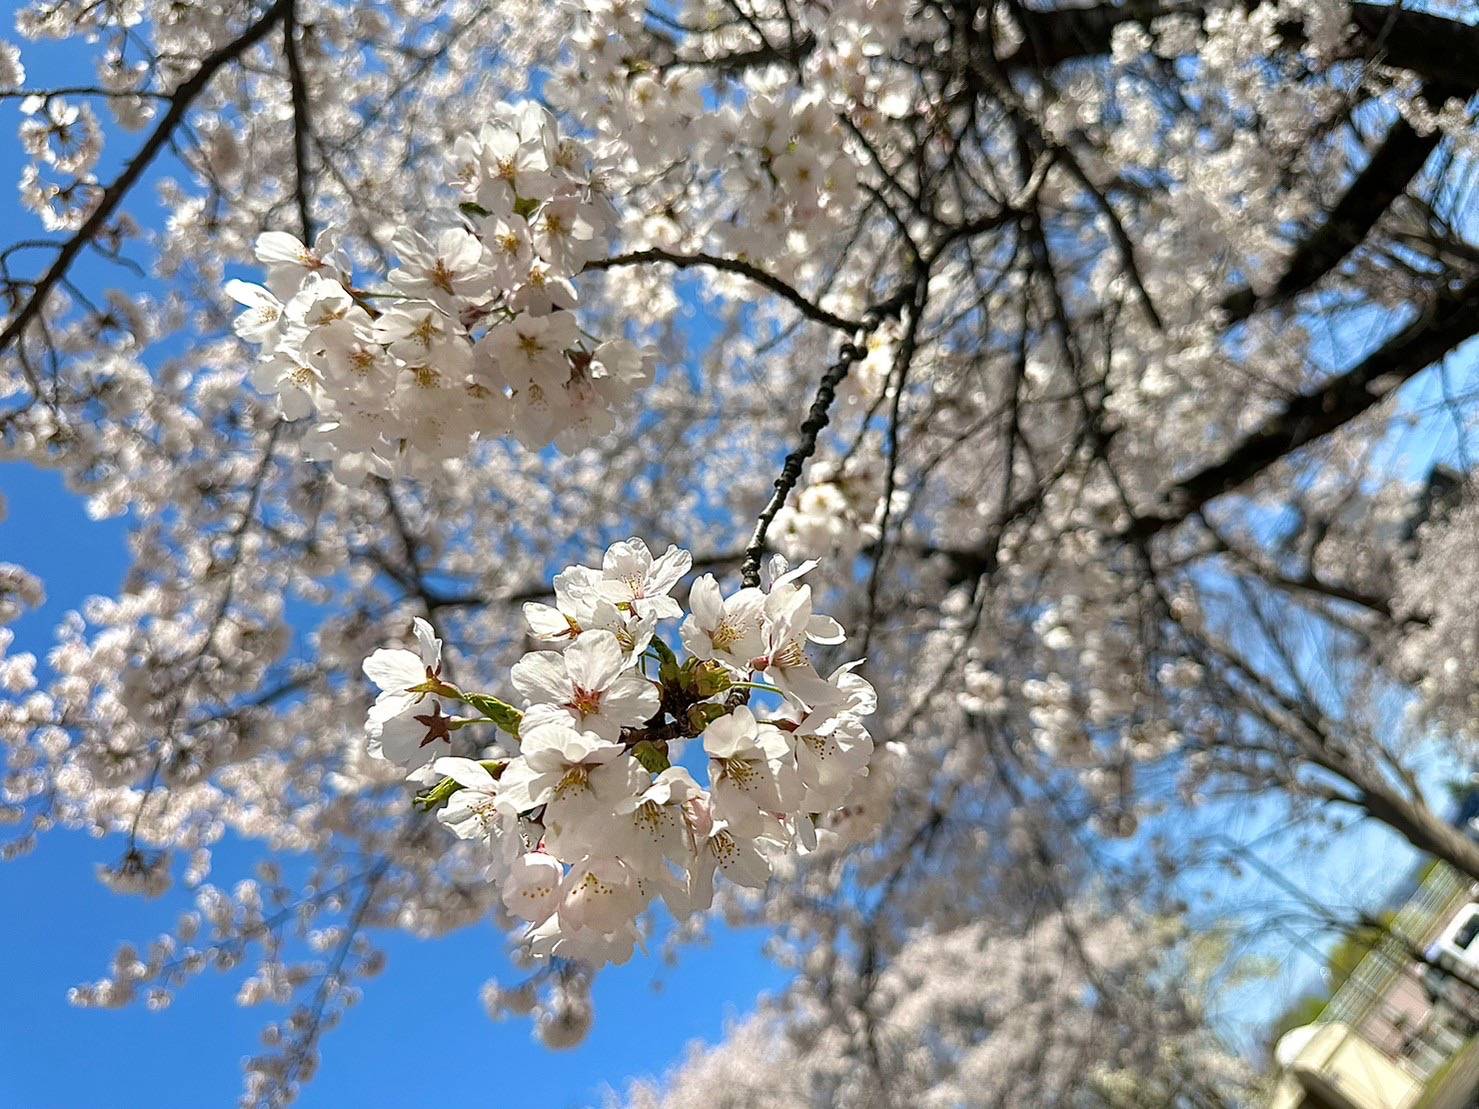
[
  {"x": 835, "y": 514},
  {"x": 472, "y": 333},
  {"x": 784, "y": 176},
  {"x": 63, "y": 141},
  {"x": 784, "y": 164},
  {"x": 588, "y": 809}
]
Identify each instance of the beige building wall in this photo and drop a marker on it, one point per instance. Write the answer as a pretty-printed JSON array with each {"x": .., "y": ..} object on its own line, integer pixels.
[{"x": 1330, "y": 1065}]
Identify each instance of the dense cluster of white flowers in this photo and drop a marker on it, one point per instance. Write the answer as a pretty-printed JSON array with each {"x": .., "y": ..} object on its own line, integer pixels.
[
  {"x": 835, "y": 514},
  {"x": 473, "y": 333},
  {"x": 588, "y": 818},
  {"x": 1440, "y": 635},
  {"x": 19, "y": 591},
  {"x": 786, "y": 177}
]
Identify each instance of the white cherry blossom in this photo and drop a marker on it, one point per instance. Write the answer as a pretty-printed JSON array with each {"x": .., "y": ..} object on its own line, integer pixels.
[
  {"x": 588, "y": 684},
  {"x": 725, "y": 628},
  {"x": 752, "y": 768},
  {"x": 631, "y": 576}
]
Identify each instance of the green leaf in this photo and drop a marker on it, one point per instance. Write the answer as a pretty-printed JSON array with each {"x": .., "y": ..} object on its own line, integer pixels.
[
  {"x": 433, "y": 797},
  {"x": 652, "y": 756},
  {"x": 701, "y": 716},
  {"x": 471, "y": 209},
  {"x": 710, "y": 678},
  {"x": 664, "y": 652},
  {"x": 500, "y": 712}
]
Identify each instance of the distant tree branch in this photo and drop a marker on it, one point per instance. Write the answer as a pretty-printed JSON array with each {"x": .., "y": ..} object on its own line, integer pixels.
[
  {"x": 1433, "y": 47},
  {"x": 1398, "y": 159},
  {"x": 1311, "y": 416},
  {"x": 179, "y": 103},
  {"x": 781, "y": 288}
]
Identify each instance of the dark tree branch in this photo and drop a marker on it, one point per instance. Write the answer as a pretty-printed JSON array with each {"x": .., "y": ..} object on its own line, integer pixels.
[
  {"x": 302, "y": 127},
  {"x": 1398, "y": 159},
  {"x": 1050, "y": 38},
  {"x": 1396, "y": 37},
  {"x": 1311, "y": 416},
  {"x": 730, "y": 265},
  {"x": 903, "y": 362},
  {"x": 817, "y": 417},
  {"x": 1433, "y": 47}
]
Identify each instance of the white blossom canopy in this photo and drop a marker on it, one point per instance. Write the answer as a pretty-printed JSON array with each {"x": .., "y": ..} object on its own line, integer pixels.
[{"x": 1109, "y": 358}]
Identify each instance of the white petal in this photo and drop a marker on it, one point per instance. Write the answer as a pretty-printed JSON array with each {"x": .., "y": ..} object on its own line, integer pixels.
[
  {"x": 465, "y": 772},
  {"x": 388, "y": 706},
  {"x": 394, "y": 669},
  {"x": 731, "y": 735},
  {"x": 401, "y": 741},
  {"x": 545, "y": 621},
  {"x": 431, "y": 646},
  {"x": 628, "y": 559},
  {"x": 252, "y": 296},
  {"x": 706, "y": 602},
  {"x": 595, "y": 660},
  {"x": 521, "y": 787},
  {"x": 294, "y": 404},
  {"x": 659, "y": 608},
  {"x": 789, "y": 615},
  {"x": 278, "y": 246},
  {"x": 824, "y": 629},
  {"x": 540, "y": 677},
  {"x": 631, "y": 700},
  {"x": 265, "y": 376},
  {"x": 667, "y": 570}
]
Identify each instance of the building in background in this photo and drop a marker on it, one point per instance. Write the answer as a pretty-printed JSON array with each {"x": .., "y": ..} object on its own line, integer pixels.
[{"x": 1400, "y": 1031}]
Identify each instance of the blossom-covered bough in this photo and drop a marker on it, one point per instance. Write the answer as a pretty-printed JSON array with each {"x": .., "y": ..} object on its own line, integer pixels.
[
  {"x": 1108, "y": 359},
  {"x": 590, "y": 819},
  {"x": 473, "y": 331}
]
